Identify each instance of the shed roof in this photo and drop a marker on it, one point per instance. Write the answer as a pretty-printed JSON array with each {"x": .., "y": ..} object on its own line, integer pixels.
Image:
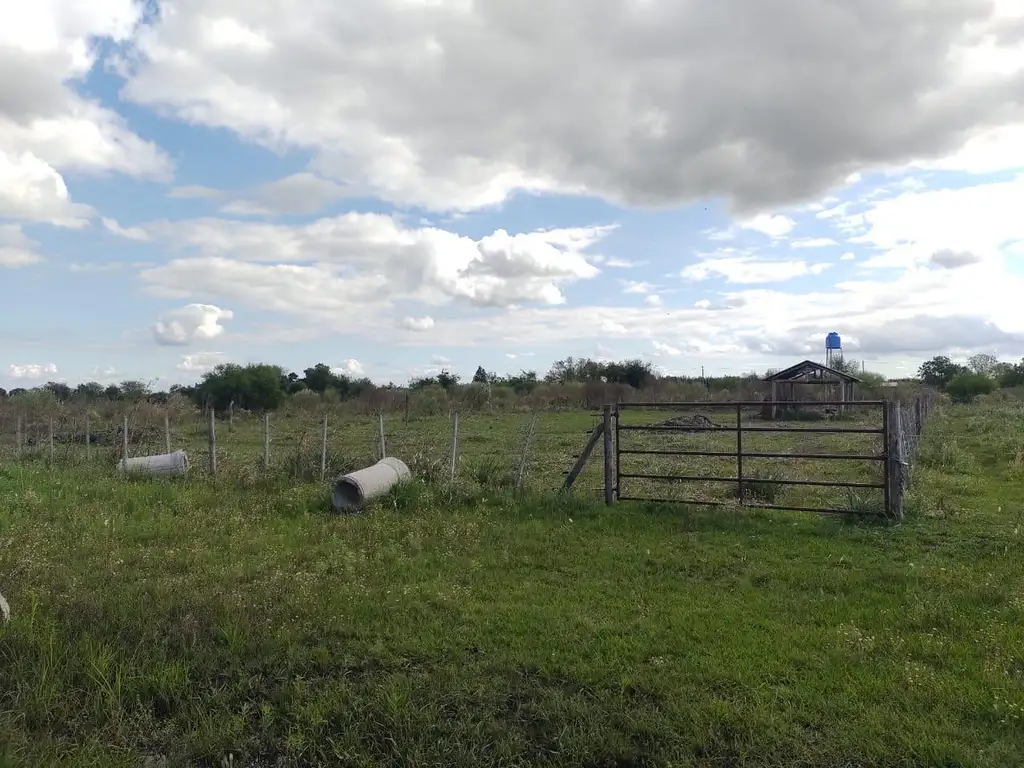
[{"x": 810, "y": 371}]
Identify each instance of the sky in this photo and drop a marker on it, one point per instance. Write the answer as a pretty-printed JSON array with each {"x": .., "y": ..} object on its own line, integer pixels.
[{"x": 393, "y": 187}]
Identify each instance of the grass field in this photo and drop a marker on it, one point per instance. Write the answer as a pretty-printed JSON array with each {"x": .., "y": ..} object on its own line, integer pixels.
[{"x": 235, "y": 621}]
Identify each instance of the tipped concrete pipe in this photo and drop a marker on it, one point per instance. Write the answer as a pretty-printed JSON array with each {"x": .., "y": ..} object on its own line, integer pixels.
[
  {"x": 355, "y": 489},
  {"x": 168, "y": 464}
]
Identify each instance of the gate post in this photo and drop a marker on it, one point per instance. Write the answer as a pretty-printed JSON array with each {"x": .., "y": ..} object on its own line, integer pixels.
[
  {"x": 609, "y": 459},
  {"x": 893, "y": 465}
]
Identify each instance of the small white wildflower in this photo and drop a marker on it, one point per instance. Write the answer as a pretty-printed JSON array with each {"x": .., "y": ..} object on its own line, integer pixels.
[{"x": 5, "y": 609}]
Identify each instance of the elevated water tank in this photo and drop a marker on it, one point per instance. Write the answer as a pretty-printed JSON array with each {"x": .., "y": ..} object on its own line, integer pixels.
[{"x": 832, "y": 341}]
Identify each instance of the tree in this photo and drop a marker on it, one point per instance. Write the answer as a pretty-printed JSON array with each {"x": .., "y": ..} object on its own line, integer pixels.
[
  {"x": 134, "y": 391},
  {"x": 939, "y": 371},
  {"x": 964, "y": 387},
  {"x": 255, "y": 387},
  {"x": 447, "y": 379},
  {"x": 481, "y": 376},
  {"x": 113, "y": 392},
  {"x": 983, "y": 364},
  {"x": 319, "y": 378},
  {"x": 3, "y": 393},
  {"x": 61, "y": 391},
  {"x": 89, "y": 392}
]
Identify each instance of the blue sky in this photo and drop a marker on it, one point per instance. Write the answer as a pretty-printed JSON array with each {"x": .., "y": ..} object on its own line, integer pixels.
[{"x": 418, "y": 186}]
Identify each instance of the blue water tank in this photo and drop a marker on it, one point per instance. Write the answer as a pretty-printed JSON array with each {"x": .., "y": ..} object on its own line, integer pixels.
[{"x": 832, "y": 341}]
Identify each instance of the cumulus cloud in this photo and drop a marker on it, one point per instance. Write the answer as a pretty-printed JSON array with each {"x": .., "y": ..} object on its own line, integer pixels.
[
  {"x": 749, "y": 269},
  {"x": 948, "y": 259},
  {"x": 46, "y": 125},
  {"x": 353, "y": 266},
  {"x": 418, "y": 323},
  {"x": 33, "y": 191},
  {"x": 300, "y": 193},
  {"x": 662, "y": 348},
  {"x": 201, "y": 362},
  {"x": 31, "y": 371},
  {"x": 766, "y": 224},
  {"x": 191, "y": 323},
  {"x": 457, "y": 105},
  {"x": 16, "y": 250},
  {"x": 350, "y": 367}
]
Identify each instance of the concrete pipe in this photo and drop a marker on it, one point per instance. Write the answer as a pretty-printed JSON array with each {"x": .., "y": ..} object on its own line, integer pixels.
[
  {"x": 165, "y": 464},
  {"x": 354, "y": 490}
]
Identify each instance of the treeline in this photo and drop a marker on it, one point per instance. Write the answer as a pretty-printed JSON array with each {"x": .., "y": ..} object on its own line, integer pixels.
[
  {"x": 264, "y": 387},
  {"x": 982, "y": 375}
]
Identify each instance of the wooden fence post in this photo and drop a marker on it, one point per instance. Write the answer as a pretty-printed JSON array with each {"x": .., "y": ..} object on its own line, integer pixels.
[
  {"x": 231, "y": 416},
  {"x": 894, "y": 491},
  {"x": 167, "y": 430},
  {"x": 88, "y": 438},
  {"x": 213, "y": 442},
  {"x": 323, "y": 451},
  {"x": 18, "y": 438},
  {"x": 609, "y": 473},
  {"x": 380, "y": 433},
  {"x": 266, "y": 440},
  {"x": 124, "y": 439},
  {"x": 455, "y": 443}
]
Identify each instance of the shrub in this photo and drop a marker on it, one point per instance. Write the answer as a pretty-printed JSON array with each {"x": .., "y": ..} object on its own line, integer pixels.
[{"x": 964, "y": 387}]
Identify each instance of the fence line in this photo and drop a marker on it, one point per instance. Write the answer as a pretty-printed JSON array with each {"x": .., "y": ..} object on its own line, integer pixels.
[{"x": 469, "y": 446}]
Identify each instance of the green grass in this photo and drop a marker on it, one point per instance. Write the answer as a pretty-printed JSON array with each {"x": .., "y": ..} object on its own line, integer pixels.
[{"x": 236, "y": 618}]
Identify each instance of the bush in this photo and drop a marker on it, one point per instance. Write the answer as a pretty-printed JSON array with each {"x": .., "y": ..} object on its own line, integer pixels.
[{"x": 964, "y": 387}]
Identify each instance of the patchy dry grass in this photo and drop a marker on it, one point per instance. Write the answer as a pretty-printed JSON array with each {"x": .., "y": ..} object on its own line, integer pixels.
[{"x": 463, "y": 625}]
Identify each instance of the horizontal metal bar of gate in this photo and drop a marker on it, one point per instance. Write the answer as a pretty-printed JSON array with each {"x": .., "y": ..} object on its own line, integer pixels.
[
  {"x": 707, "y": 479},
  {"x": 753, "y": 403},
  {"x": 747, "y": 455},
  {"x": 693, "y": 502},
  {"x": 809, "y": 430}
]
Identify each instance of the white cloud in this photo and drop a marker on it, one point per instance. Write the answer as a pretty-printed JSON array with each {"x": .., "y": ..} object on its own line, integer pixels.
[
  {"x": 748, "y": 269},
  {"x": 129, "y": 233},
  {"x": 906, "y": 230},
  {"x": 16, "y": 250},
  {"x": 33, "y": 191},
  {"x": 31, "y": 371},
  {"x": 356, "y": 265},
  {"x": 431, "y": 104},
  {"x": 813, "y": 242},
  {"x": 418, "y": 323},
  {"x": 848, "y": 256},
  {"x": 773, "y": 226},
  {"x": 201, "y": 362},
  {"x": 300, "y": 193},
  {"x": 654, "y": 300},
  {"x": 666, "y": 349},
  {"x": 194, "y": 322},
  {"x": 351, "y": 367},
  {"x": 43, "y": 120},
  {"x": 632, "y": 286}
]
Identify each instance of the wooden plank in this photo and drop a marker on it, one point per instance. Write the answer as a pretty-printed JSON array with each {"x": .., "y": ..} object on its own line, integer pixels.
[{"x": 584, "y": 455}]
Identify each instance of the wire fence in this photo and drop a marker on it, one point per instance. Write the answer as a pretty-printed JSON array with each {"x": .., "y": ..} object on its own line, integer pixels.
[
  {"x": 909, "y": 422},
  {"x": 507, "y": 450},
  {"x": 524, "y": 450}
]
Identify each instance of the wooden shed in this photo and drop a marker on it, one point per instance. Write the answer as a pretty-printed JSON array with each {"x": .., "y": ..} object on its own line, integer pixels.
[{"x": 787, "y": 384}]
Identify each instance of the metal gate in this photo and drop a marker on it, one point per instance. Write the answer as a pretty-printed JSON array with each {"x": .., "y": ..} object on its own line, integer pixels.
[{"x": 730, "y": 439}]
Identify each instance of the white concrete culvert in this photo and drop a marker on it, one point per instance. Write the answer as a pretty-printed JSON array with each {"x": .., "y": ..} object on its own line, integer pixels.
[
  {"x": 354, "y": 490},
  {"x": 164, "y": 465}
]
